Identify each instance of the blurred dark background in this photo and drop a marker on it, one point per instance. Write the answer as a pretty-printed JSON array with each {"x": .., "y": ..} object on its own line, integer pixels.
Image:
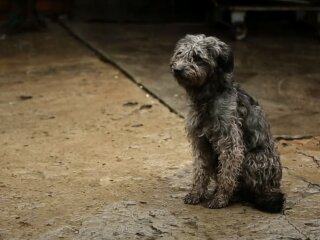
[
  {"x": 159, "y": 11},
  {"x": 122, "y": 10},
  {"x": 235, "y": 16}
]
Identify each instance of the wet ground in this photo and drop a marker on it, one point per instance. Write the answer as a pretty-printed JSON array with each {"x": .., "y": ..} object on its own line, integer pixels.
[{"x": 87, "y": 154}]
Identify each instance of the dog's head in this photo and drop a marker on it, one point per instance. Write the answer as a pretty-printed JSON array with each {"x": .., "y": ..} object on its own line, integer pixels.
[{"x": 197, "y": 57}]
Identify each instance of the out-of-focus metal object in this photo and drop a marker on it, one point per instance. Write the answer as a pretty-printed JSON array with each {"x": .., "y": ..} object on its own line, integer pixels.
[{"x": 239, "y": 8}]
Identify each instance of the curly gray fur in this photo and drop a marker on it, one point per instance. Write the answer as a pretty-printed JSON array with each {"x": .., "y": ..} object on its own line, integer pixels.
[{"x": 230, "y": 136}]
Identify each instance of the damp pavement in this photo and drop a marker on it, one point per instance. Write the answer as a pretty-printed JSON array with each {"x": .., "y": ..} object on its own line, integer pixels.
[{"x": 87, "y": 154}]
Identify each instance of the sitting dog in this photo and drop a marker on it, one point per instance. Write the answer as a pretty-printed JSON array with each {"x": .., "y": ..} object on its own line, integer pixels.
[{"x": 230, "y": 136}]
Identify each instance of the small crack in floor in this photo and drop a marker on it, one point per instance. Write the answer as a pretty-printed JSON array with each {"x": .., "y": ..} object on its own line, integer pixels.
[
  {"x": 297, "y": 229},
  {"x": 314, "y": 159},
  {"x": 291, "y": 137},
  {"x": 303, "y": 194}
]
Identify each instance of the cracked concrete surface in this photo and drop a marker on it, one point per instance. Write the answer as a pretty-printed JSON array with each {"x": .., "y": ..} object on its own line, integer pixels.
[{"x": 86, "y": 154}]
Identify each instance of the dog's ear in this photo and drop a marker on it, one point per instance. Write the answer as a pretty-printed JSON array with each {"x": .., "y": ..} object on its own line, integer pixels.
[
  {"x": 221, "y": 53},
  {"x": 225, "y": 58}
]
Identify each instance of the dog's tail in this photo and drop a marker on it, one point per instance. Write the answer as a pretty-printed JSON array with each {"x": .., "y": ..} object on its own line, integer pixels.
[{"x": 272, "y": 202}]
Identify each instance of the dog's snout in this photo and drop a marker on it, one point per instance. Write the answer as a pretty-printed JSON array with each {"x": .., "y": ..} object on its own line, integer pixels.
[{"x": 178, "y": 69}]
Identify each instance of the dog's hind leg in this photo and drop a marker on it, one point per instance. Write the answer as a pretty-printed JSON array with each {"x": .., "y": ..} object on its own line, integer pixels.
[{"x": 260, "y": 179}]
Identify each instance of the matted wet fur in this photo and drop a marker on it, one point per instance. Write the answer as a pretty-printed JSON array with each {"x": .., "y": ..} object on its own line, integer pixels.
[{"x": 230, "y": 136}]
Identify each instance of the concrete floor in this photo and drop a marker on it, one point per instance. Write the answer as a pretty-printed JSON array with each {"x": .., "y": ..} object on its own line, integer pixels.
[
  {"x": 278, "y": 67},
  {"x": 86, "y": 154}
]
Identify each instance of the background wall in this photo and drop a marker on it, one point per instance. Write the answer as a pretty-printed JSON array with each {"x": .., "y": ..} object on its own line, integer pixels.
[
  {"x": 50, "y": 7},
  {"x": 142, "y": 10}
]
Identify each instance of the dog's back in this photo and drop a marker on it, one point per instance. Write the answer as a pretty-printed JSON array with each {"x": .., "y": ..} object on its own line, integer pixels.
[{"x": 256, "y": 129}]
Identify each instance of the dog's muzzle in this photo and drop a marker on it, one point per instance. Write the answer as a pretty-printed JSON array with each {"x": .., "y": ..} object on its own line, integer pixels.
[{"x": 178, "y": 71}]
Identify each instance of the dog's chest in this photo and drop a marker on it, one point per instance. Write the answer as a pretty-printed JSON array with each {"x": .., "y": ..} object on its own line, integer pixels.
[{"x": 199, "y": 122}]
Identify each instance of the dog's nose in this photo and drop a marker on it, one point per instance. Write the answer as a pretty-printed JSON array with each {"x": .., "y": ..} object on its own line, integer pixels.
[{"x": 178, "y": 70}]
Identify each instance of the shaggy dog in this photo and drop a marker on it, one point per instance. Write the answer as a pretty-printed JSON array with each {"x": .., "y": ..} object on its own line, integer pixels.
[{"x": 230, "y": 136}]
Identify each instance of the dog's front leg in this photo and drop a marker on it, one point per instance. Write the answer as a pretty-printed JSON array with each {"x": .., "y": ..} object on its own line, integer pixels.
[
  {"x": 231, "y": 154},
  {"x": 202, "y": 152}
]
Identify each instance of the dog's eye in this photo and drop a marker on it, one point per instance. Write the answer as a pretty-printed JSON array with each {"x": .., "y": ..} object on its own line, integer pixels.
[{"x": 179, "y": 53}]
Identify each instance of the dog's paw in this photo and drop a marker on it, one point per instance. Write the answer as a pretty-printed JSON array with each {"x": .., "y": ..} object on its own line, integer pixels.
[
  {"x": 217, "y": 203},
  {"x": 192, "y": 198}
]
